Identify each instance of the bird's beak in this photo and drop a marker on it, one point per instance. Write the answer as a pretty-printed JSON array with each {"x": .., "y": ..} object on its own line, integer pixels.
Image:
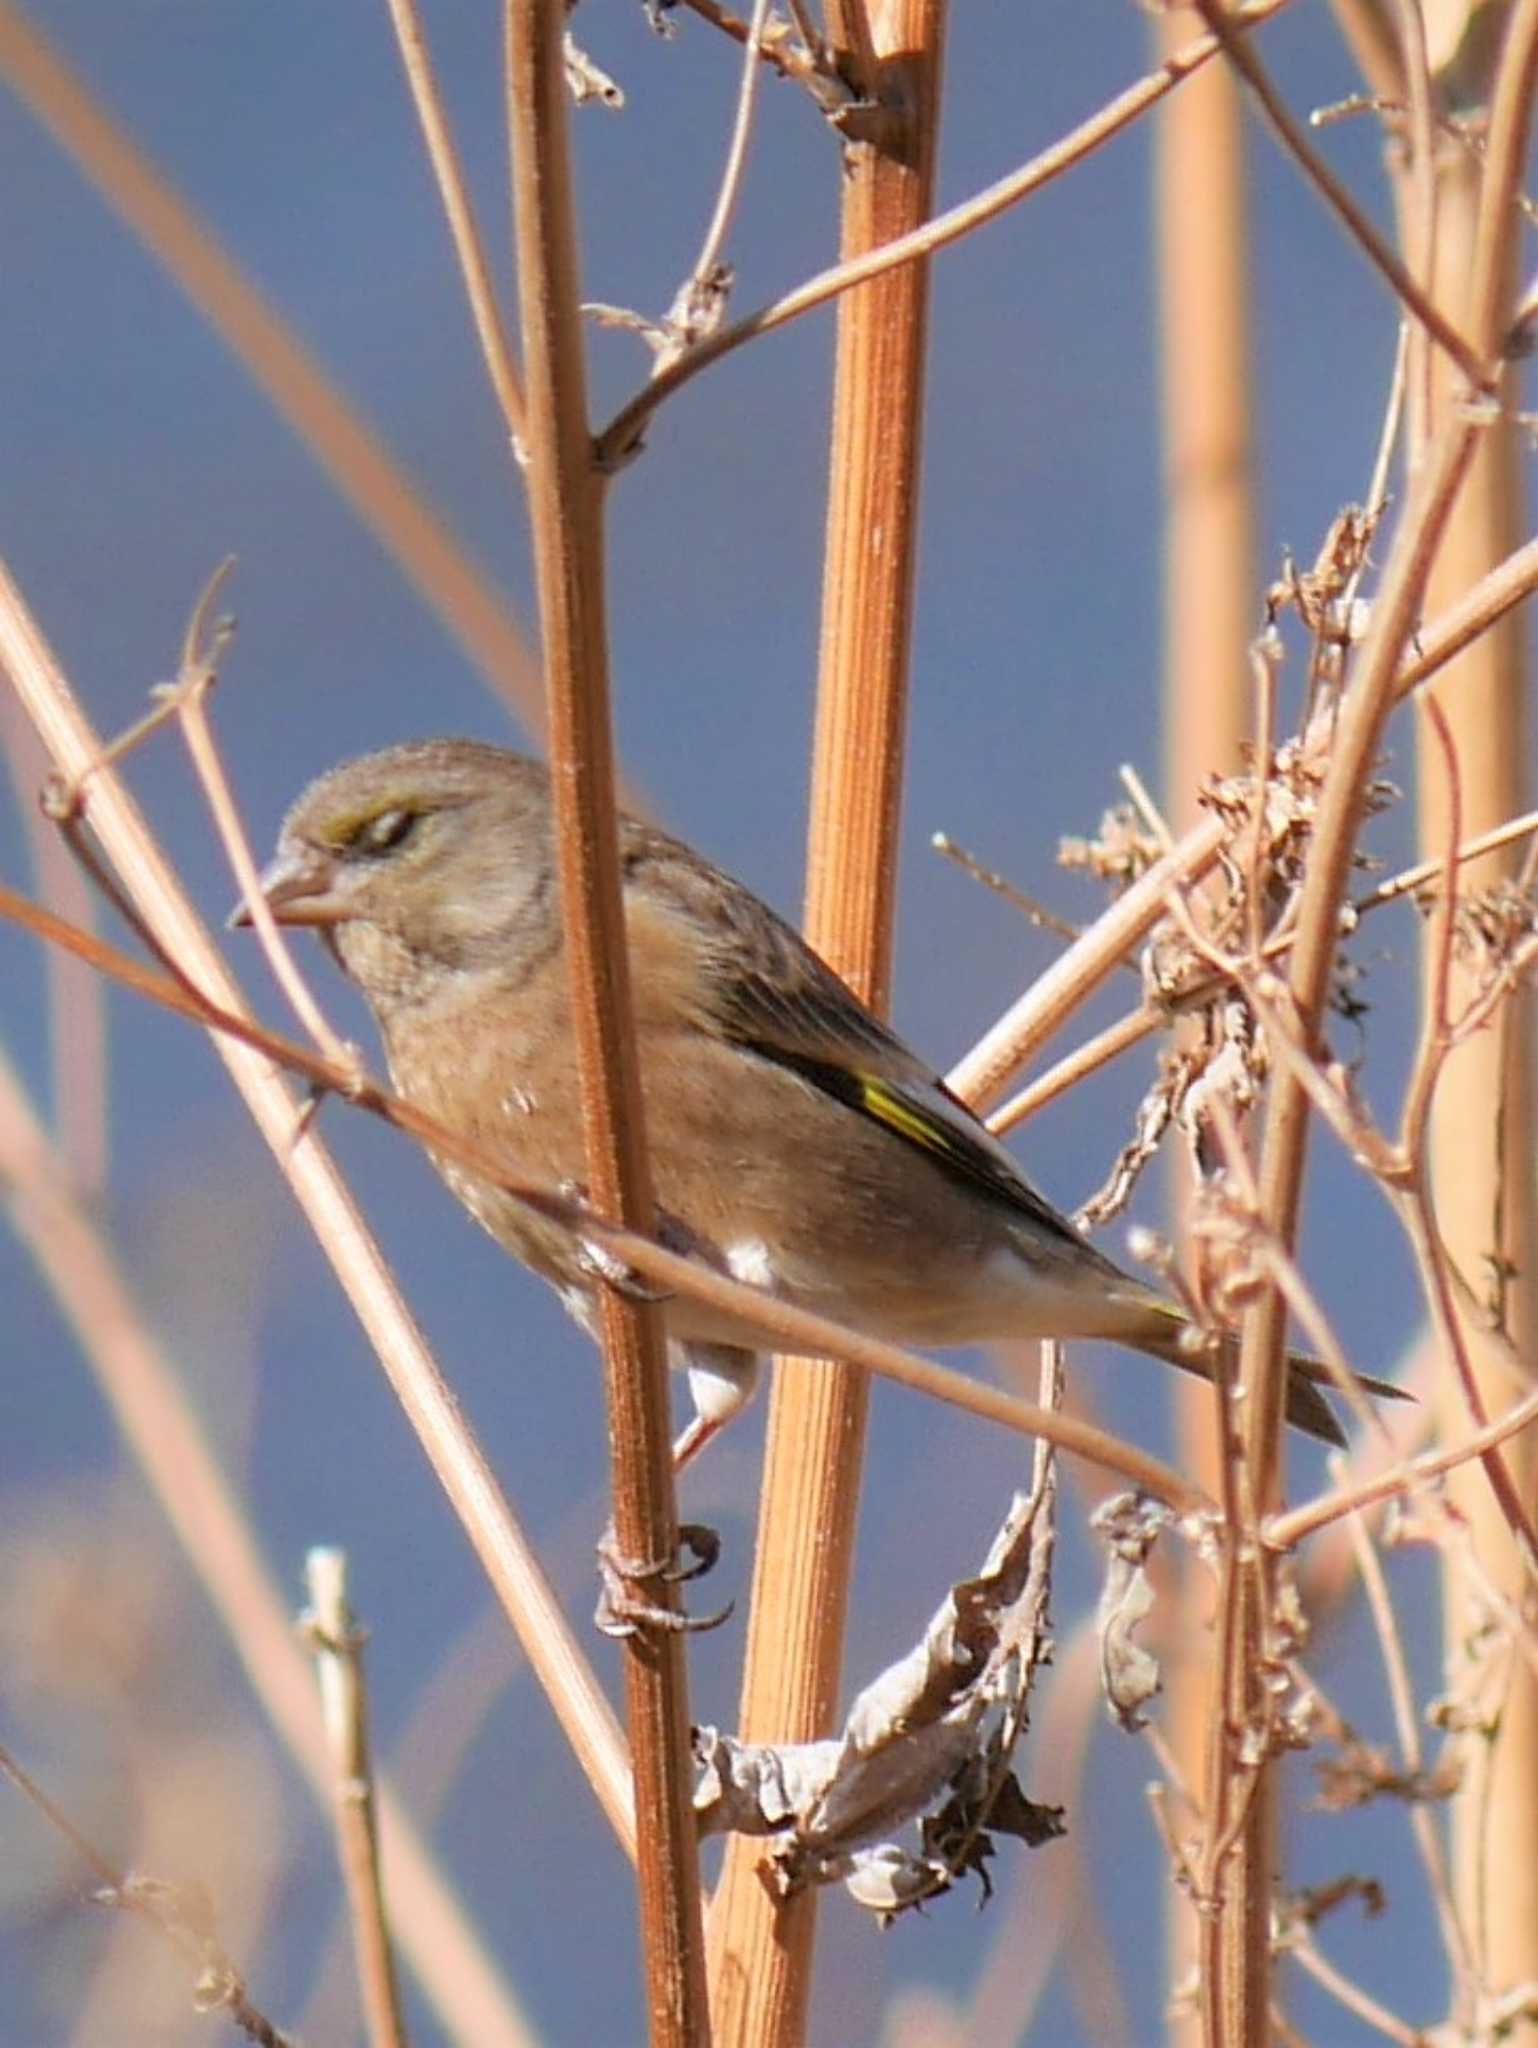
[{"x": 299, "y": 884}]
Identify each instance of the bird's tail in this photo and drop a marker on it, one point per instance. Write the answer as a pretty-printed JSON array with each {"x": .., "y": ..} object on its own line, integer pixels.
[{"x": 1307, "y": 1408}]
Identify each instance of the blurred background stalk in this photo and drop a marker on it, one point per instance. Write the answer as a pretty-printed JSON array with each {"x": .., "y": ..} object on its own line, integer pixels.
[
  {"x": 1210, "y": 613},
  {"x": 1482, "y": 1136}
]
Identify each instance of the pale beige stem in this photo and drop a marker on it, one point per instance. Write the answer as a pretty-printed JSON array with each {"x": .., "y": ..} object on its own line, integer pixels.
[
  {"x": 1482, "y": 1142},
  {"x": 1210, "y": 585},
  {"x": 179, "y": 1466},
  {"x": 455, "y": 1456},
  {"x": 336, "y": 1642}
]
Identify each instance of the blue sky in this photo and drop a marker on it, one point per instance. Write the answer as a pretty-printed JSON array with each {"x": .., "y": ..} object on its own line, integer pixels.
[{"x": 134, "y": 453}]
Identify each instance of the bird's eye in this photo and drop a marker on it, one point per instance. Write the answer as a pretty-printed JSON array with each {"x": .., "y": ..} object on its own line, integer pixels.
[{"x": 384, "y": 832}]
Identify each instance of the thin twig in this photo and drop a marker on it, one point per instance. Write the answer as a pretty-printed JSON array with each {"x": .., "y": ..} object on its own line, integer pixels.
[
  {"x": 1088, "y": 1058},
  {"x": 186, "y": 699},
  {"x": 1305, "y": 1951},
  {"x": 703, "y": 293},
  {"x": 1237, "y": 1985},
  {"x": 1409, "y": 880},
  {"x": 1074, "y": 976},
  {"x": 505, "y": 1553},
  {"x": 162, "y": 1433},
  {"x": 622, "y": 436},
  {"x": 1428, "y": 1837},
  {"x": 1284, "y": 1531},
  {"x": 1419, "y": 216},
  {"x": 1035, "y": 913},
  {"x": 336, "y": 1641},
  {"x": 464, "y": 231},
  {"x": 174, "y": 1912},
  {"x": 77, "y": 1023},
  {"x": 1461, "y": 350}
]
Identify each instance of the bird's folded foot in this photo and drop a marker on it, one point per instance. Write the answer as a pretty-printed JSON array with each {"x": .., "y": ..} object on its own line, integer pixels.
[
  {"x": 624, "y": 1611},
  {"x": 600, "y": 1262}
]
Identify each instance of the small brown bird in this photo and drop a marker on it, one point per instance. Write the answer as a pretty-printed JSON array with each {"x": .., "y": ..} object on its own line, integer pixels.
[{"x": 795, "y": 1141}]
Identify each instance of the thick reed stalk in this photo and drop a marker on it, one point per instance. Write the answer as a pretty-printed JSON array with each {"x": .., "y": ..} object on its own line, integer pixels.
[{"x": 761, "y": 1951}]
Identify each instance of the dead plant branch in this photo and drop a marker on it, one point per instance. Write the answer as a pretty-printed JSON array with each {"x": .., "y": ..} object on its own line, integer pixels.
[
  {"x": 336, "y": 1642},
  {"x": 181, "y": 1914},
  {"x": 621, "y": 438},
  {"x": 464, "y": 231},
  {"x": 472, "y": 1488},
  {"x": 565, "y": 513}
]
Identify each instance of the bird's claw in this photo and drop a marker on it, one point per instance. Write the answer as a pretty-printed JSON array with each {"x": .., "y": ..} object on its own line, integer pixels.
[
  {"x": 622, "y": 1611},
  {"x": 598, "y": 1262},
  {"x": 703, "y": 1545}
]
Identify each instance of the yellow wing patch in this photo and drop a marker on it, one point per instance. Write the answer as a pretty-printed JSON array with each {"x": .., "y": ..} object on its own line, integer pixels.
[{"x": 879, "y": 1099}]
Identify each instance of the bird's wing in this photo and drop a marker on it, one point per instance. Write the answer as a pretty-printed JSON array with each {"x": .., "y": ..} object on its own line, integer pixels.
[{"x": 773, "y": 996}]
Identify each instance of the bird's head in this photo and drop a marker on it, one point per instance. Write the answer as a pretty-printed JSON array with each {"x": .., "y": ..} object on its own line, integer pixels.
[{"x": 424, "y": 857}]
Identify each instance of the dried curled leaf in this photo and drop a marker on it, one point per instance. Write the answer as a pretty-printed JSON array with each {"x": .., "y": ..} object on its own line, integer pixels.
[
  {"x": 1129, "y": 1524},
  {"x": 939, "y": 1725},
  {"x": 1120, "y": 851},
  {"x": 1308, "y": 1907},
  {"x": 1360, "y": 1772}
]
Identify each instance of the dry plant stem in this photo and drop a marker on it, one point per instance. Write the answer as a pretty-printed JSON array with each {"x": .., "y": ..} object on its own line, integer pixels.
[
  {"x": 471, "y": 1487},
  {"x": 761, "y": 1950},
  {"x": 1209, "y": 577},
  {"x": 187, "y": 698},
  {"x": 1371, "y": 32},
  {"x": 1424, "y": 1825},
  {"x": 622, "y": 436},
  {"x": 448, "y": 174},
  {"x": 218, "y": 1986},
  {"x": 1236, "y": 1988},
  {"x": 1471, "y": 1206},
  {"x": 1075, "y": 975},
  {"x": 714, "y": 245},
  {"x": 1458, "y": 348},
  {"x": 77, "y": 1019},
  {"x": 1304, "y": 1951},
  {"x": 158, "y": 1426},
  {"x": 1432, "y": 870},
  {"x": 1417, "y": 1199},
  {"x": 1471, "y": 614},
  {"x": 375, "y": 488},
  {"x": 1285, "y": 1531},
  {"x": 1029, "y": 908},
  {"x": 781, "y": 1322},
  {"x": 772, "y": 53},
  {"x": 337, "y": 1644},
  {"x": 1416, "y": 191},
  {"x": 854, "y": 39},
  {"x": 565, "y": 513},
  {"x": 1086, "y": 1059},
  {"x": 448, "y": 1713}
]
